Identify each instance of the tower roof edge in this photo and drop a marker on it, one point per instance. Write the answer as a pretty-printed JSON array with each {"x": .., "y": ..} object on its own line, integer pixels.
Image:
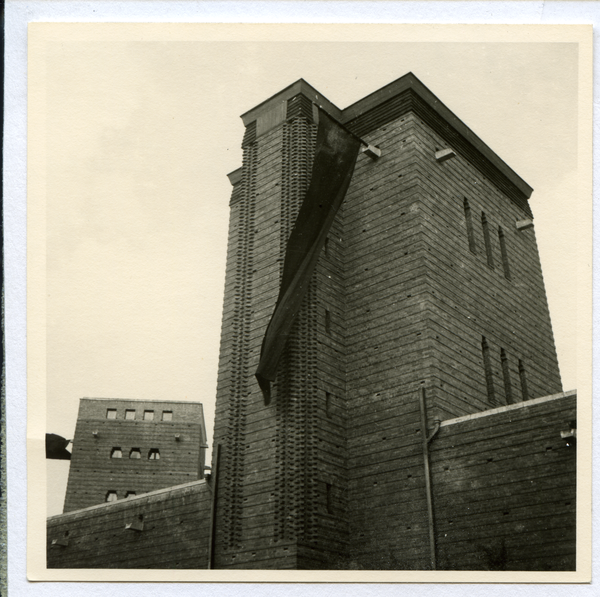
[
  {"x": 410, "y": 83},
  {"x": 298, "y": 87}
]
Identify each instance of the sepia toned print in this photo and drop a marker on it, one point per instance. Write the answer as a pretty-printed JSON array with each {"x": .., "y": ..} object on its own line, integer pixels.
[{"x": 413, "y": 419}]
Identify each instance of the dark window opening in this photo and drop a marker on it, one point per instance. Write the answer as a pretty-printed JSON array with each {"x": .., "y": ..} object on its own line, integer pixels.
[
  {"x": 327, "y": 321},
  {"x": 154, "y": 454},
  {"x": 523, "y": 378},
  {"x": 487, "y": 240},
  {"x": 505, "y": 265},
  {"x": 130, "y": 414},
  {"x": 116, "y": 453},
  {"x": 328, "y": 404},
  {"x": 167, "y": 415},
  {"x": 468, "y": 220},
  {"x": 111, "y": 413},
  {"x": 506, "y": 376},
  {"x": 135, "y": 453},
  {"x": 329, "y": 498},
  {"x": 326, "y": 247},
  {"x": 487, "y": 366},
  {"x": 148, "y": 415}
]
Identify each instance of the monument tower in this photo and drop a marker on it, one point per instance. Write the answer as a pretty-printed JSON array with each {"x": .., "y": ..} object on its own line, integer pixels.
[{"x": 427, "y": 303}]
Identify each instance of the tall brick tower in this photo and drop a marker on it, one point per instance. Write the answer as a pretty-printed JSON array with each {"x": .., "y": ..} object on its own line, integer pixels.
[
  {"x": 124, "y": 448},
  {"x": 427, "y": 304}
]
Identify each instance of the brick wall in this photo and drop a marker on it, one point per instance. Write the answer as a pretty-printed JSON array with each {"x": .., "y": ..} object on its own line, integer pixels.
[
  {"x": 504, "y": 488},
  {"x": 282, "y": 483},
  {"x": 468, "y": 299},
  {"x": 419, "y": 303},
  {"x": 388, "y": 357},
  {"x": 94, "y": 472},
  {"x": 176, "y": 525}
]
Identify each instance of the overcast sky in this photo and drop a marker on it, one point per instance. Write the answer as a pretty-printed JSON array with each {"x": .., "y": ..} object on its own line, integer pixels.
[{"x": 140, "y": 137}]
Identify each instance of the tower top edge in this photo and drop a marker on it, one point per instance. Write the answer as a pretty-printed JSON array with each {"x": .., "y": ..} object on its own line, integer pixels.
[
  {"x": 408, "y": 83},
  {"x": 140, "y": 401},
  {"x": 299, "y": 87}
]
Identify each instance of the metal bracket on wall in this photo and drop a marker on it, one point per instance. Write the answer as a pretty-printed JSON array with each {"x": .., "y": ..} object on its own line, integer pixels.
[
  {"x": 136, "y": 525},
  {"x": 373, "y": 152},
  {"x": 524, "y": 224},
  {"x": 444, "y": 154}
]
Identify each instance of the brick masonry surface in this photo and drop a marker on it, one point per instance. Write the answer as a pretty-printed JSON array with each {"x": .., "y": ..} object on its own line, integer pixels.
[
  {"x": 424, "y": 283},
  {"x": 503, "y": 494},
  {"x": 94, "y": 472},
  {"x": 504, "y": 488},
  {"x": 173, "y": 523},
  {"x": 425, "y": 288}
]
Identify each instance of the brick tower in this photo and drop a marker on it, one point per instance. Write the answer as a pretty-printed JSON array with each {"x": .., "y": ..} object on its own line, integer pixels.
[
  {"x": 427, "y": 304},
  {"x": 124, "y": 448}
]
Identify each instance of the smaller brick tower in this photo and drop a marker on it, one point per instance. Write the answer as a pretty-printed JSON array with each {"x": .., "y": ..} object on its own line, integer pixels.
[{"x": 124, "y": 448}]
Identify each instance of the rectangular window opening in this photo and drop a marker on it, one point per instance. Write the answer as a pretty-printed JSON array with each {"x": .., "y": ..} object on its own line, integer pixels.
[
  {"x": 148, "y": 415},
  {"x": 111, "y": 413},
  {"x": 523, "y": 378},
  {"x": 328, "y": 404},
  {"x": 154, "y": 454},
  {"x": 167, "y": 415},
  {"x": 130, "y": 414},
  {"x": 329, "y": 498},
  {"x": 487, "y": 240},
  {"x": 116, "y": 453},
  {"x": 487, "y": 366},
  {"x": 505, "y": 264},
  {"x": 469, "y": 222},
  {"x": 327, "y": 321},
  {"x": 111, "y": 496},
  {"x": 506, "y": 376}
]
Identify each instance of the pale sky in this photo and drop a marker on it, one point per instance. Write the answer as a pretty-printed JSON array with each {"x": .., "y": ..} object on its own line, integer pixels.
[{"x": 140, "y": 137}]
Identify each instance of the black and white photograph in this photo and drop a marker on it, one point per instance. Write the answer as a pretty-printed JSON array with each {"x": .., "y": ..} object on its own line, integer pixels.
[{"x": 313, "y": 299}]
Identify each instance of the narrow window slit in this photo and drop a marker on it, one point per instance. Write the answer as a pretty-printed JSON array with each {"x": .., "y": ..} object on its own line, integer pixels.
[
  {"x": 329, "y": 499},
  {"x": 487, "y": 240},
  {"x": 523, "y": 378},
  {"x": 506, "y": 376},
  {"x": 469, "y": 222},
  {"x": 328, "y": 404},
  {"x": 487, "y": 366},
  {"x": 504, "y": 253}
]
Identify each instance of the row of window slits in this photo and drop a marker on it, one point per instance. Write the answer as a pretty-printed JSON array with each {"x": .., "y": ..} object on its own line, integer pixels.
[
  {"x": 509, "y": 396},
  {"x": 112, "y": 496},
  {"x": 111, "y": 413},
  {"x": 135, "y": 453},
  {"x": 487, "y": 239}
]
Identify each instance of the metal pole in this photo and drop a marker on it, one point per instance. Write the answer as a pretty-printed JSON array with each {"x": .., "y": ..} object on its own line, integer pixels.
[
  {"x": 213, "y": 509},
  {"x": 425, "y": 443}
]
